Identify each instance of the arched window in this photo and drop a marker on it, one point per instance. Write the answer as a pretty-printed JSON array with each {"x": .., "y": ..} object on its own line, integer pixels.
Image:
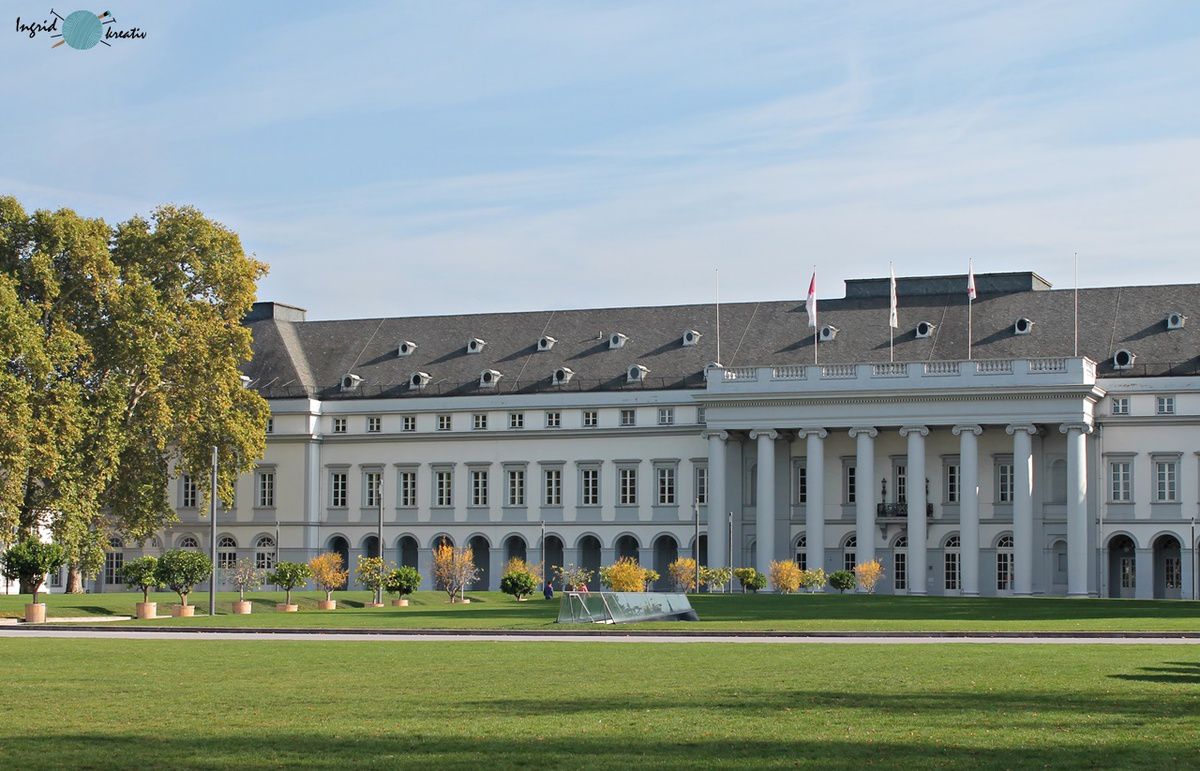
[
  {"x": 850, "y": 553},
  {"x": 114, "y": 562},
  {"x": 226, "y": 552},
  {"x": 900, "y": 564},
  {"x": 802, "y": 552},
  {"x": 188, "y": 542},
  {"x": 1004, "y": 564},
  {"x": 264, "y": 553},
  {"x": 952, "y": 568}
]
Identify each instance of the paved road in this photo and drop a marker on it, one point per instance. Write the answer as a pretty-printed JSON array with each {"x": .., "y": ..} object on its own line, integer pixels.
[{"x": 334, "y": 636}]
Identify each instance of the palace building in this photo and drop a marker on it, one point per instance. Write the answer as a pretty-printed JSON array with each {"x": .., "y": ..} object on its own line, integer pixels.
[{"x": 1057, "y": 455}]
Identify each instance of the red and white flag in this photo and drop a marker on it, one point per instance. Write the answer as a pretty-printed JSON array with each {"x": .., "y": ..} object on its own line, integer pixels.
[
  {"x": 810, "y": 305},
  {"x": 970, "y": 280}
]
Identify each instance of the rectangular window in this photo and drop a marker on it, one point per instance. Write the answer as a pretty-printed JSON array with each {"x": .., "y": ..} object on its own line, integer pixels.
[
  {"x": 801, "y": 484},
  {"x": 901, "y": 484},
  {"x": 666, "y": 416},
  {"x": 951, "y": 570},
  {"x": 666, "y": 485},
  {"x": 516, "y": 420},
  {"x": 1004, "y": 482},
  {"x": 1164, "y": 405},
  {"x": 849, "y": 559},
  {"x": 851, "y": 482},
  {"x": 339, "y": 425},
  {"x": 553, "y": 487},
  {"x": 114, "y": 562},
  {"x": 591, "y": 418},
  {"x": 628, "y": 487},
  {"x": 700, "y": 415},
  {"x": 553, "y": 419},
  {"x": 270, "y": 425},
  {"x": 371, "y": 488},
  {"x": 443, "y": 422},
  {"x": 1004, "y": 570},
  {"x": 54, "y": 579},
  {"x": 337, "y": 490},
  {"x": 408, "y": 489},
  {"x": 479, "y": 487},
  {"x": 1120, "y": 474},
  {"x": 516, "y": 487},
  {"x": 266, "y": 489},
  {"x": 628, "y": 418},
  {"x": 801, "y": 557},
  {"x": 1128, "y": 574},
  {"x": 900, "y": 570},
  {"x": 226, "y": 558},
  {"x": 952, "y": 482},
  {"x": 1172, "y": 573},
  {"x": 479, "y": 421},
  {"x": 1166, "y": 474},
  {"x": 374, "y": 424},
  {"x": 589, "y": 479},
  {"x": 187, "y": 497},
  {"x": 702, "y": 485},
  {"x": 1120, "y": 405},
  {"x": 408, "y": 423},
  {"x": 443, "y": 481}
]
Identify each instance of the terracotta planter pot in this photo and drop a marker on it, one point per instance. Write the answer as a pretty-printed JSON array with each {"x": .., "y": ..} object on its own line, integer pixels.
[
  {"x": 241, "y": 608},
  {"x": 35, "y": 612},
  {"x": 374, "y": 604},
  {"x": 400, "y": 603},
  {"x": 457, "y": 601},
  {"x": 147, "y": 610},
  {"x": 183, "y": 611},
  {"x": 522, "y": 599},
  {"x": 326, "y": 604},
  {"x": 283, "y": 607}
]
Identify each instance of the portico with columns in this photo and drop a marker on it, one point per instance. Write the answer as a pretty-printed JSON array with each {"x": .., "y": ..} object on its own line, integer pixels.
[{"x": 949, "y": 462}]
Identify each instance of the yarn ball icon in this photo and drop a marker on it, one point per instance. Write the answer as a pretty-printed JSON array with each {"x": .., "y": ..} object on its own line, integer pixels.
[{"x": 82, "y": 30}]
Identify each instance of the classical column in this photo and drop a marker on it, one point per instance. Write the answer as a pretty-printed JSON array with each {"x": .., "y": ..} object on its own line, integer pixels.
[
  {"x": 916, "y": 507},
  {"x": 764, "y": 521},
  {"x": 1143, "y": 577},
  {"x": 968, "y": 506},
  {"x": 1077, "y": 547},
  {"x": 814, "y": 506},
  {"x": 864, "y": 492},
  {"x": 1022, "y": 507},
  {"x": 718, "y": 525}
]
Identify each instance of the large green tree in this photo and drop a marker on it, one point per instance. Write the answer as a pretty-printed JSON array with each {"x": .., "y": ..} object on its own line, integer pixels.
[{"x": 122, "y": 346}]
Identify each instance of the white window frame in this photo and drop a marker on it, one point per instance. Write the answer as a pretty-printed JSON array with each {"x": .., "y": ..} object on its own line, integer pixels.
[
  {"x": 339, "y": 489},
  {"x": 553, "y": 419},
  {"x": 666, "y": 416},
  {"x": 591, "y": 418},
  {"x": 264, "y": 553},
  {"x": 516, "y": 420},
  {"x": 1119, "y": 405},
  {"x": 952, "y": 484},
  {"x": 1005, "y": 485},
  {"x": 849, "y": 483},
  {"x": 479, "y": 421},
  {"x": 226, "y": 552},
  {"x": 1166, "y": 479},
  {"x": 628, "y": 417},
  {"x": 479, "y": 487},
  {"x": 443, "y": 488},
  {"x": 339, "y": 425},
  {"x": 589, "y": 486},
  {"x": 664, "y": 485},
  {"x": 443, "y": 422},
  {"x": 627, "y": 486},
  {"x": 374, "y": 424},
  {"x": 516, "y": 487},
  {"x": 552, "y": 486},
  {"x": 1120, "y": 480},
  {"x": 406, "y": 486},
  {"x": 700, "y": 483},
  {"x": 264, "y": 489},
  {"x": 1004, "y": 564},
  {"x": 372, "y": 486},
  {"x": 188, "y": 494},
  {"x": 1164, "y": 405},
  {"x": 952, "y": 565},
  {"x": 408, "y": 423}
]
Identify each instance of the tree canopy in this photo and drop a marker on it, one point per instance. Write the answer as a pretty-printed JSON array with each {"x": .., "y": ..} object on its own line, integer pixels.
[{"x": 120, "y": 350}]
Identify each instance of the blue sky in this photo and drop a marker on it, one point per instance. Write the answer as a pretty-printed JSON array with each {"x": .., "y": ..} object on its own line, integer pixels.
[{"x": 418, "y": 158}]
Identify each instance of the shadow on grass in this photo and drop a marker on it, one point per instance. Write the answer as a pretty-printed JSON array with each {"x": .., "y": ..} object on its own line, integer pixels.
[{"x": 1172, "y": 673}]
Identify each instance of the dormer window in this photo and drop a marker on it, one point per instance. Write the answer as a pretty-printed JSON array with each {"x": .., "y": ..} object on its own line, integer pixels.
[
  {"x": 1176, "y": 320},
  {"x": 828, "y": 332},
  {"x": 488, "y": 378},
  {"x": 475, "y": 345},
  {"x": 546, "y": 342},
  {"x": 562, "y": 376},
  {"x": 617, "y": 340},
  {"x": 1023, "y": 326},
  {"x": 350, "y": 382},
  {"x": 637, "y": 373},
  {"x": 691, "y": 337},
  {"x": 406, "y": 348},
  {"x": 925, "y": 329},
  {"x": 1123, "y": 359},
  {"x": 419, "y": 380}
]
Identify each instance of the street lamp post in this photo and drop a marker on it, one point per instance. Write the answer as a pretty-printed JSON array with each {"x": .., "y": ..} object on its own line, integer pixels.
[
  {"x": 212, "y": 536},
  {"x": 730, "y": 543},
  {"x": 696, "y": 541},
  {"x": 542, "y": 551},
  {"x": 379, "y": 537}
]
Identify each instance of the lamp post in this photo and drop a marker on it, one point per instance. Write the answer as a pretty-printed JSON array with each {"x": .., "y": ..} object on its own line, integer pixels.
[
  {"x": 696, "y": 547},
  {"x": 379, "y": 536},
  {"x": 730, "y": 550},
  {"x": 212, "y": 536},
  {"x": 542, "y": 551}
]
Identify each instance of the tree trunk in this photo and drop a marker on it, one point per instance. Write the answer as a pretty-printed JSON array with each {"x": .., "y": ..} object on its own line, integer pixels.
[
  {"x": 74, "y": 579},
  {"x": 24, "y": 586}
]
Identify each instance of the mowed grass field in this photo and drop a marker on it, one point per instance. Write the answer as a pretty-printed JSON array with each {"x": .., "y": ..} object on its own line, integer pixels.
[
  {"x": 718, "y": 612},
  {"x": 369, "y": 704}
]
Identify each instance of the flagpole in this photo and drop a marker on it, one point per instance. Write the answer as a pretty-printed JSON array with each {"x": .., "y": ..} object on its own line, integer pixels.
[
  {"x": 891, "y": 312},
  {"x": 717, "y": 299},
  {"x": 1076, "y": 304},
  {"x": 970, "y": 301},
  {"x": 816, "y": 324}
]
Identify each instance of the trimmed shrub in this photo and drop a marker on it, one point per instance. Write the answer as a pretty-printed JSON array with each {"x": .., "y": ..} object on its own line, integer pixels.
[
  {"x": 141, "y": 573},
  {"x": 625, "y": 575},
  {"x": 813, "y": 580},
  {"x": 31, "y": 561},
  {"x": 683, "y": 574},
  {"x": 868, "y": 574},
  {"x": 245, "y": 576},
  {"x": 289, "y": 576},
  {"x": 750, "y": 579},
  {"x": 371, "y": 572},
  {"x": 842, "y": 580},
  {"x": 572, "y": 576},
  {"x": 328, "y": 573},
  {"x": 715, "y": 578},
  {"x": 518, "y": 583},
  {"x": 180, "y": 570},
  {"x": 785, "y": 576},
  {"x": 401, "y": 581}
]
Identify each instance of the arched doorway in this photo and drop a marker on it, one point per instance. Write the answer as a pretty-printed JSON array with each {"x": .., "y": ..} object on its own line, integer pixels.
[
  {"x": 900, "y": 565},
  {"x": 481, "y": 556},
  {"x": 951, "y": 565},
  {"x": 589, "y": 558},
  {"x": 552, "y": 555},
  {"x": 1168, "y": 568},
  {"x": 514, "y": 548},
  {"x": 1122, "y": 567},
  {"x": 408, "y": 551},
  {"x": 627, "y": 546},
  {"x": 702, "y": 551},
  {"x": 666, "y": 551},
  {"x": 1004, "y": 564},
  {"x": 371, "y": 546},
  {"x": 341, "y": 546}
]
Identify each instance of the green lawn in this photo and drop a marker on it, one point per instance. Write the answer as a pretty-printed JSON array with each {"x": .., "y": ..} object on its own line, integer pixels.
[
  {"x": 222, "y": 704},
  {"x": 795, "y": 613}
]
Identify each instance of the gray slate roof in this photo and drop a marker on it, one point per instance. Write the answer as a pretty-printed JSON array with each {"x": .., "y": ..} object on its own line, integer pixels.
[{"x": 298, "y": 358}]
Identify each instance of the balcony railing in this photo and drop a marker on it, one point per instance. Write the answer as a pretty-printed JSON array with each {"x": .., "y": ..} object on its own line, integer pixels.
[{"x": 898, "y": 510}]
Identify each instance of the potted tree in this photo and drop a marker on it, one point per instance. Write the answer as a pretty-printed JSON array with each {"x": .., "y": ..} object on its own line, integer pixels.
[
  {"x": 142, "y": 573},
  {"x": 245, "y": 577},
  {"x": 402, "y": 582},
  {"x": 31, "y": 561},
  {"x": 371, "y": 573},
  {"x": 180, "y": 570},
  {"x": 329, "y": 576},
  {"x": 289, "y": 575},
  {"x": 518, "y": 583},
  {"x": 453, "y": 569}
]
